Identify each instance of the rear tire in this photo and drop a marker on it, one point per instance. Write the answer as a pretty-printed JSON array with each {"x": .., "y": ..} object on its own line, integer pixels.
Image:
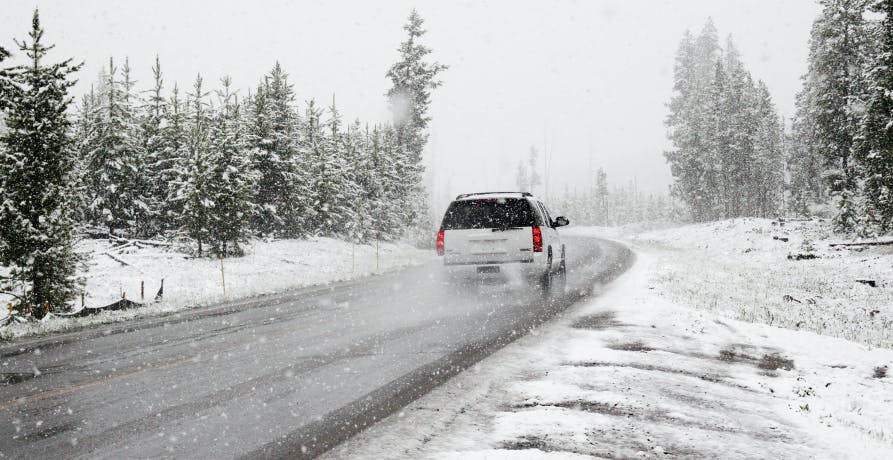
[
  {"x": 547, "y": 279},
  {"x": 560, "y": 283}
]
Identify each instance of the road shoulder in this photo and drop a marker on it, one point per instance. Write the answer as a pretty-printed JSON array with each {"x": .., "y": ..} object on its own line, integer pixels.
[{"x": 632, "y": 374}]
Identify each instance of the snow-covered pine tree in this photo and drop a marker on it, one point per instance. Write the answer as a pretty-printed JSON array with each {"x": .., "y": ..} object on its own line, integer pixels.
[
  {"x": 534, "y": 180},
  {"x": 379, "y": 186},
  {"x": 601, "y": 215},
  {"x": 875, "y": 140},
  {"x": 723, "y": 130},
  {"x": 716, "y": 137},
  {"x": 86, "y": 122},
  {"x": 330, "y": 186},
  {"x": 395, "y": 211},
  {"x": 837, "y": 52},
  {"x": 231, "y": 182},
  {"x": 37, "y": 229},
  {"x": 157, "y": 165},
  {"x": 195, "y": 170},
  {"x": 804, "y": 161},
  {"x": 5, "y": 86},
  {"x": 360, "y": 169},
  {"x": 767, "y": 170},
  {"x": 114, "y": 164},
  {"x": 273, "y": 126},
  {"x": 140, "y": 182},
  {"x": 737, "y": 155},
  {"x": 522, "y": 179},
  {"x": 413, "y": 79},
  {"x": 173, "y": 142},
  {"x": 687, "y": 122}
]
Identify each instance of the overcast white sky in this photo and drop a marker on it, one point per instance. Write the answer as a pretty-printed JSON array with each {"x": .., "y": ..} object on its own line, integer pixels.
[{"x": 587, "y": 80}]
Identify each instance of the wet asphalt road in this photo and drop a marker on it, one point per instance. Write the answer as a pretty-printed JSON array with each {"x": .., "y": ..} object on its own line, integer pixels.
[{"x": 282, "y": 376}]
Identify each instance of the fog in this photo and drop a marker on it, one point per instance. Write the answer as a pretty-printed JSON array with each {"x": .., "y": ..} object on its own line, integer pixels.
[{"x": 584, "y": 82}]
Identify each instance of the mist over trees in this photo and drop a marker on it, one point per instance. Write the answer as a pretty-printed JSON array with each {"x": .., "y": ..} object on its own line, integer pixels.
[
  {"x": 412, "y": 79},
  {"x": 727, "y": 155},
  {"x": 604, "y": 205}
]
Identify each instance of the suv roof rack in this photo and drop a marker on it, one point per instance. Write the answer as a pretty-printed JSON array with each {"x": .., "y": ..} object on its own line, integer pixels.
[{"x": 466, "y": 195}]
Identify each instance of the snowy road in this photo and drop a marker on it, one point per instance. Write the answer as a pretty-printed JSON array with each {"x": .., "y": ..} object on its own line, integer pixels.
[{"x": 271, "y": 377}]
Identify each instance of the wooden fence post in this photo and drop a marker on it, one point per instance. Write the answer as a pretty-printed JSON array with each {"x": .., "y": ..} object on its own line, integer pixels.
[{"x": 222, "y": 275}]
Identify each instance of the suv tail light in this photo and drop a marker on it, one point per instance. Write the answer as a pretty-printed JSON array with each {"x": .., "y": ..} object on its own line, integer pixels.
[
  {"x": 537, "y": 240},
  {"x": 440, "y": 243}
]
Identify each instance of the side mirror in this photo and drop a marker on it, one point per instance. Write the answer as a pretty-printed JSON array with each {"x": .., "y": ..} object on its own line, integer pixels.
[{"x": 561, "y": 221}]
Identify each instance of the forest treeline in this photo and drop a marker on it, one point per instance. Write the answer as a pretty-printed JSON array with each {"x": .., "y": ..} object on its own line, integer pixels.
[
  {"x": 841, "y": 143},
  {"x": 203, "y": 165},
  {"x": 730, "y": 156},
  {"x": 217, "y": 168},
  {"x": 727, "y": 156}
]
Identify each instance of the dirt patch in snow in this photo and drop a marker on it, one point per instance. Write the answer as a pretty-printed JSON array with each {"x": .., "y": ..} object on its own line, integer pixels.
[
  {"x": 538, "y": 443},
  {"x": 598, "y": 321},
  {"x": 585, "y": 406},
  {"x": 631, "y": 346},
  {"x": 772, "y": 361}
]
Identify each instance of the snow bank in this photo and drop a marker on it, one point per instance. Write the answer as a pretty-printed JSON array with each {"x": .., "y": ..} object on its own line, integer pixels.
[{"x": 268, "y": 267}]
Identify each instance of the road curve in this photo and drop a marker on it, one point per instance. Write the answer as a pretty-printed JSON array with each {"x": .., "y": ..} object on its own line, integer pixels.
[{"x": 289, "y": 375}]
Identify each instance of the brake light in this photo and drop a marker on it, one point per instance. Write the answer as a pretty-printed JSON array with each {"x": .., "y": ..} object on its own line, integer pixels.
[
  {"x": 440, "y": 243},
  {"x": 537, "y": 240}
]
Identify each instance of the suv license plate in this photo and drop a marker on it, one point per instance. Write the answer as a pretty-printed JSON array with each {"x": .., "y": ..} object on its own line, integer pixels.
[{"x": 491, "y": 269}]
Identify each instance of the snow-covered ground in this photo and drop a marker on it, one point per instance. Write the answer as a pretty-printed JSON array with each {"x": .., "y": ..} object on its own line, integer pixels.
[
  {"x": 741, "y": 269},
  {"x": 646, "y": 370},
  {"x": 268, "y": 267}
]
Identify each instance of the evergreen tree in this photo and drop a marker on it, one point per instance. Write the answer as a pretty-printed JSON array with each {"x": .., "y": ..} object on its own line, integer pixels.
[
  {"x": 522, "y": 179},
  {"x": 726, "y": 158},
  {"x": 6, "y": 87},
  {"x": 804, "y": 160},
  {"x": 230, "y": 186},
  {"x": 600, "y": 200},
  {"x": 359, "y": 168},
  {"x": 37, "y": 230},
  {"x": 413, "y": 79},
  {"x": 689, "y": 122},
  {"x": 194, "y": 181},
  {"x": 114, "y": 164},
  {"x": 837, "y": 52},
  {"x": 330, "y": 189},
  {"x": 875, "y": 143},
  {"x": 273, "y": 127},
  {"x": 86, "y": 123},
  {"x": 170, "y": 160},
  {"x": 153, "y": 121},
  {"x": 534, "y": 179},
  {"x": 767, "y": 171}
]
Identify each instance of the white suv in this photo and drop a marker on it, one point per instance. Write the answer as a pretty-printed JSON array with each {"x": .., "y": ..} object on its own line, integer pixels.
[{"x": 492, "y": 233}]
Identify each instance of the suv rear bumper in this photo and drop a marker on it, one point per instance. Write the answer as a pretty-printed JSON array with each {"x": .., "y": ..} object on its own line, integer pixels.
[{"x": 487, "y": 262}]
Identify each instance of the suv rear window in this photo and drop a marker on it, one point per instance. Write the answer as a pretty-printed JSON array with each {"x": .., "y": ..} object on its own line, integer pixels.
[{"x": 489, "y": 213}]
